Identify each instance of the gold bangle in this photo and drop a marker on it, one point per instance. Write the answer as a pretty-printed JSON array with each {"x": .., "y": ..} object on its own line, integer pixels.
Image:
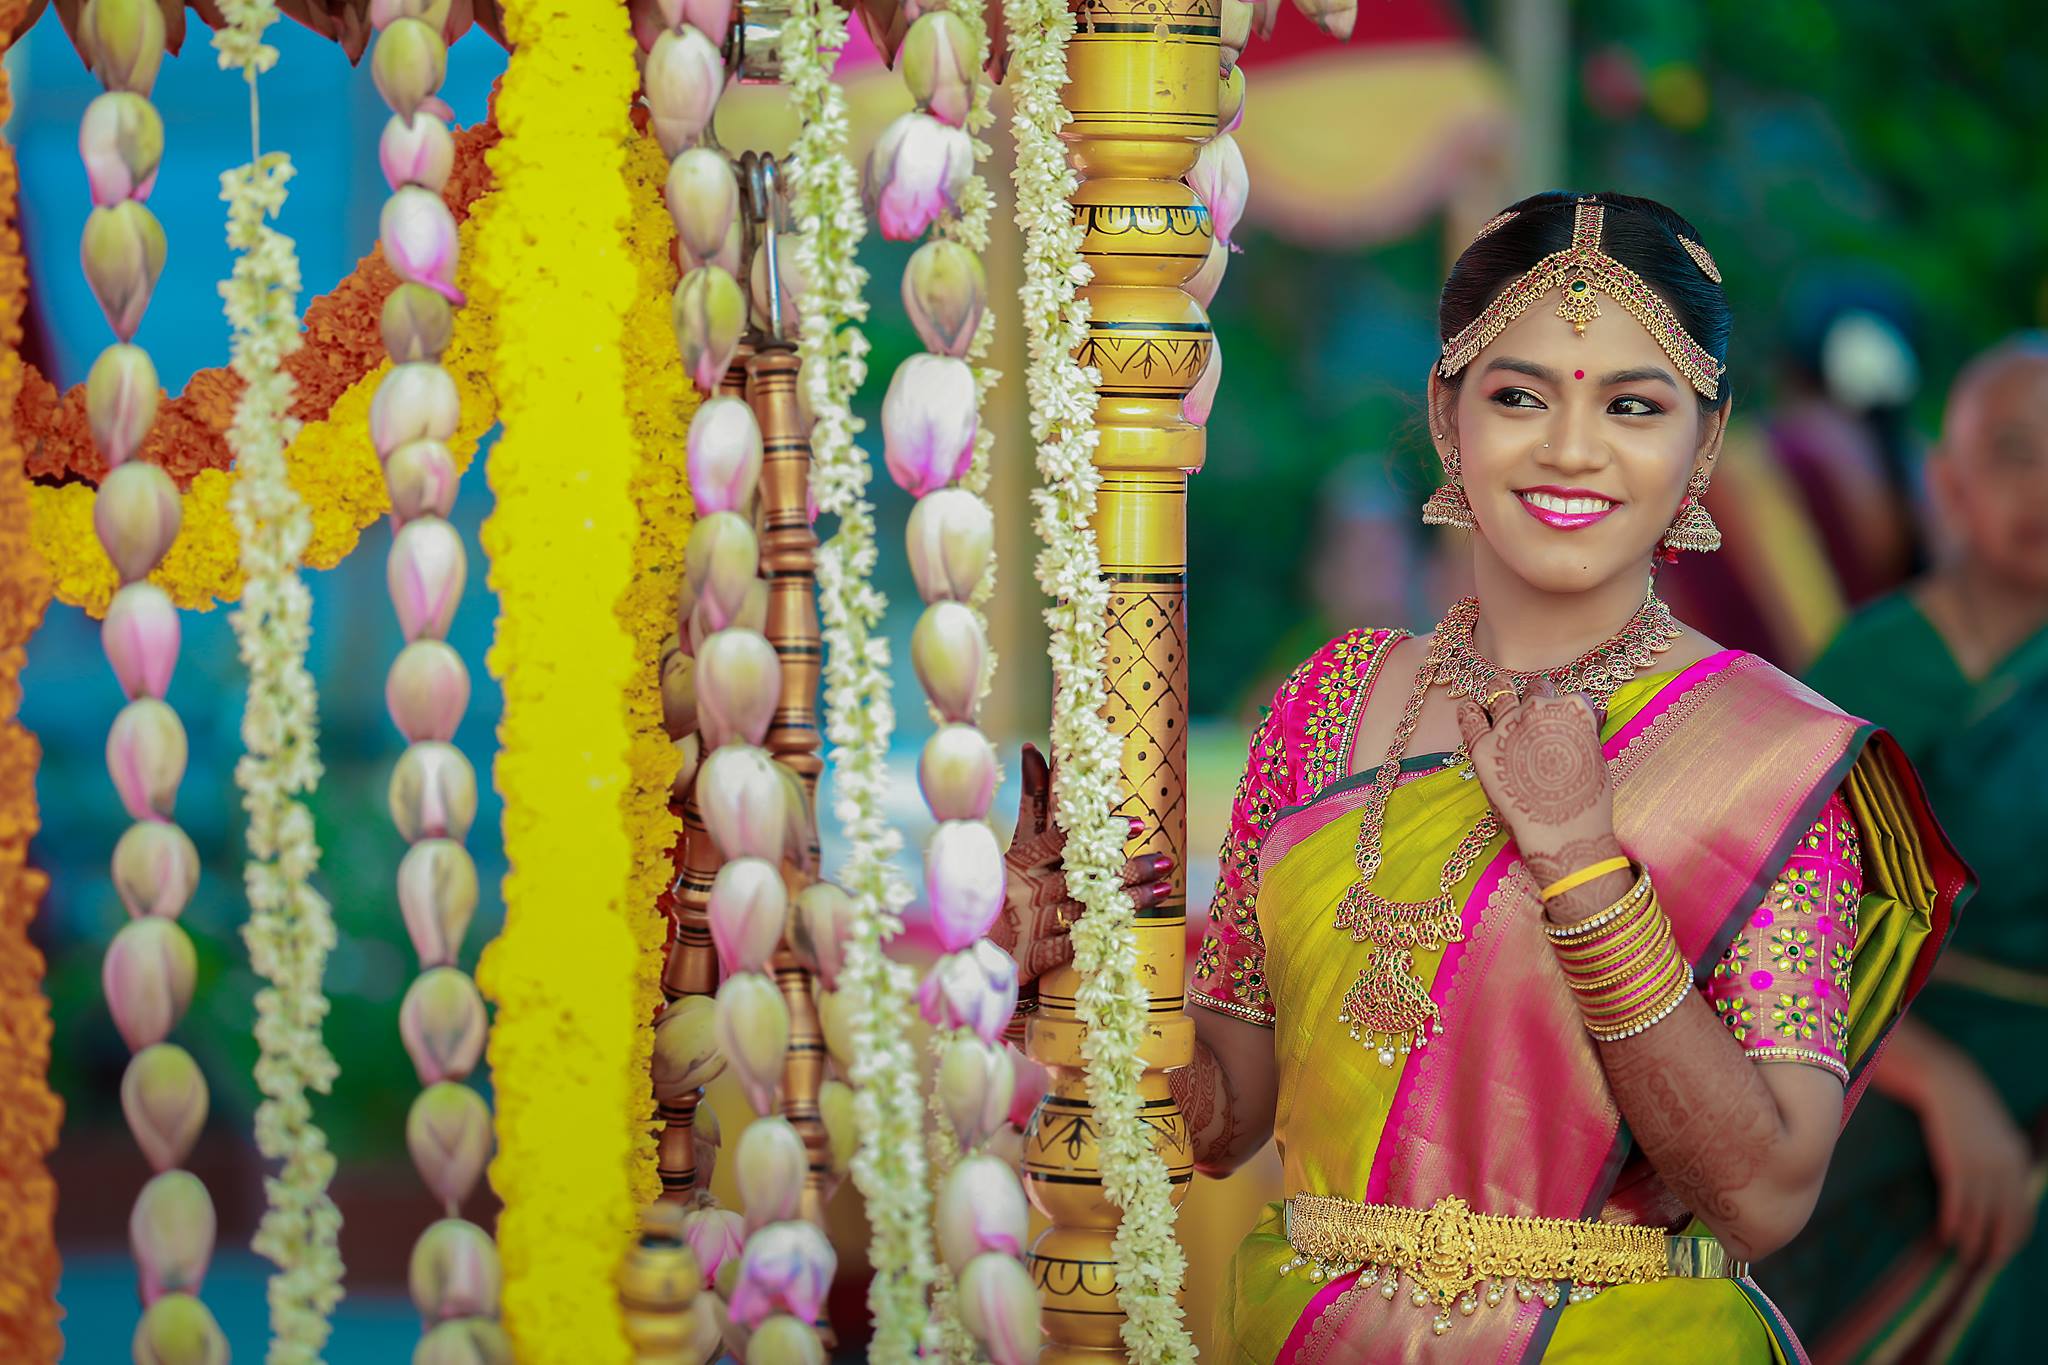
[
  {"x": 1573, "y": 933},
  {"x": 1575, "y": 880},
  {"x": 1657, "y": 1015},
  {"x": 1622, "y": 938}
]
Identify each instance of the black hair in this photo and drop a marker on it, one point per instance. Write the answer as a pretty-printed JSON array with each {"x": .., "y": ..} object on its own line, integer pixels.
[{"x": 1640, "y": 233}]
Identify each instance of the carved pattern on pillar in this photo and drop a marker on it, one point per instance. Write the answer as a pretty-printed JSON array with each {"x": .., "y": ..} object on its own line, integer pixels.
[{"x": 1142, "y": 84}]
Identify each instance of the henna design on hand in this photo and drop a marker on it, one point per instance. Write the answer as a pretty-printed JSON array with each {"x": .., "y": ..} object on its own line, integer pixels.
[
  {"x": 1547, "y": 762},
  {"x": 1203, "y": 1091},
  {"x": 1547, "y": 865}
]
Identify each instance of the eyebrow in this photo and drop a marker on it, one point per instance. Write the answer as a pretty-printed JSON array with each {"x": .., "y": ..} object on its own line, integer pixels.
[{"x": 1640, "y": 374}]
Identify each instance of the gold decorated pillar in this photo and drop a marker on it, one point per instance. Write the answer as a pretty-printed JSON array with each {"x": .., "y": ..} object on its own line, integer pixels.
[{"x": 1142, "y": 88}]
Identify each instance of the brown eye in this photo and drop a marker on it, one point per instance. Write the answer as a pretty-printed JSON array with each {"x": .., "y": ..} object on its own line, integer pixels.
[
  {"x": 1633, "y": 407},
  {"x": 1517, "y": 398}
]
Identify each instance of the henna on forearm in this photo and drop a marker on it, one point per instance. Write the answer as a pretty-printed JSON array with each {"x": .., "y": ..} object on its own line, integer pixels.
[
  {"x": 1714, "y": 1129},
  {"x": 1207, "y": 1101}
]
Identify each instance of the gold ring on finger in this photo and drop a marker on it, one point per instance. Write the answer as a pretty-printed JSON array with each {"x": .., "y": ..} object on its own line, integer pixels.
[{"x": 1496, "y": 696}]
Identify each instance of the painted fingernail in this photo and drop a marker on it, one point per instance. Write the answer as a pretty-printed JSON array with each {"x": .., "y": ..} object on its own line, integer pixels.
[
  {"x": 1137, "y": 826},
  {"x": 1162, "y": 865}
]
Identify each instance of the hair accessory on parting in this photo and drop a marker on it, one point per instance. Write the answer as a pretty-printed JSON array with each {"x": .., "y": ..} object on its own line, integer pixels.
[
  {"x": 1701, "y": 259},
  {"x": 1579, "y": 272},
  {"x": 1499, "y": 220}
]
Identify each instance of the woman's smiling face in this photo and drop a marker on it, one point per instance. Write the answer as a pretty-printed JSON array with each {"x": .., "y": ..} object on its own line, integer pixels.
[{"x": 1575, "y": 449}]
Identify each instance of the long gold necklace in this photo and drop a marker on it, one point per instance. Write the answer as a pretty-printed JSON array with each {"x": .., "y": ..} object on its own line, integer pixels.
[{"x": 1387, "y": 1008}]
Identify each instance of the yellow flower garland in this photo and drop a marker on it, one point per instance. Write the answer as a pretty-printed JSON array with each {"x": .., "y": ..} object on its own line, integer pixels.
[
  {"x": 331, "y": 464},
  {"x": 552, "y": 263},
  {"x": 659, "y": 404}
]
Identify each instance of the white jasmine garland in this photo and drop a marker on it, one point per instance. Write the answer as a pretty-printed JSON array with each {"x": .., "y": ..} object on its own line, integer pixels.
[
  {"x": 290, "y": 929},
  {"x": 1111, "y": 1001},
  {"x": 889, "y": 1163}
]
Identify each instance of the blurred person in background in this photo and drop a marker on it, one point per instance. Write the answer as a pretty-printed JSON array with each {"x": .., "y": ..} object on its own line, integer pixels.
[{"x": 1923, "y": 1246}]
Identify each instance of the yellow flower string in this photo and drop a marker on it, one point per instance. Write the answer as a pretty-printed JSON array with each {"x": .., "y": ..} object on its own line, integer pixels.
[
  {"x": 28, "y": 1247},
  {"x": 659, "y": 403},
  {"x": 332, "y": 467},
  {"x": 552, "y": 263},
  {"x": 290, "y": 928},
  {"x": 1111, "y": 1000}
]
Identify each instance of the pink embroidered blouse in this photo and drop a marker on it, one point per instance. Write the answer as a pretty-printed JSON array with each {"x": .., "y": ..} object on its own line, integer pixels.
[{"x": 1782, "y": 987}]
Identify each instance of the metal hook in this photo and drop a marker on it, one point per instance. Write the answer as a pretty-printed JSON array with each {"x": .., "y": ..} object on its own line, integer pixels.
[{"x": 763, "y": 186}]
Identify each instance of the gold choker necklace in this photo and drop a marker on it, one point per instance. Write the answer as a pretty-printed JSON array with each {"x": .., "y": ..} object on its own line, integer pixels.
[{"x": 1387, "y": 1008}]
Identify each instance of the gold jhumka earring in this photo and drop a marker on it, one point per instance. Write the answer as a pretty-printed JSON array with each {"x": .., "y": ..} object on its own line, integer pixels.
[
  {"x": 1448, "y": 506},
  {"x": 1693, "y": 528}
]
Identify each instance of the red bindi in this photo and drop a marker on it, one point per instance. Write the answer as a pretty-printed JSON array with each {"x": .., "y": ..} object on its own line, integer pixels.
[{"x": 1578, "y": 374}]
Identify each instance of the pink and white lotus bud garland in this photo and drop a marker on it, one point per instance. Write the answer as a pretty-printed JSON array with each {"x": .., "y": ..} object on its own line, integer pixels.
[
  {"x": 964, "y": 877},
  {"x": 842, "y": 1133},
  {"x": 454, "y": 1272},
  {"x": 937, "y": 63},
  {"x": 791, "y": 284},
  {"x": 747, "y": 907},
  {"x": 416, "y": 324},
  {"x": 834, "y": 1009},
  {"x": 703, "y": 198},
  {"x": 686, "y": 1054},
  {"x": 708, "y": 313},
  {"x": 771, "y": 1164},
  {"x": 1230, "y": 93},
  {"x": 122, "y": 250},
  {"x": 427, "y": 690},
  {"x": 741, "y": 793},
  {"x": 148, "y": 974},
  {"x": 121, "y": 396},
  {"x": 442, "y": 1024},
  {"x": 683, "y": 79},
  {"x": 999, "y": 1304},
  {"x": 408, "y": 65},
  {"x": 689, "y": 752},
  {"x": 1236, "y": 32},
  {"x": 163, "y": 1097},
  {"x": 155, "y": 869},
  {"x": 679, "y": 695},
  {"x": 178, "y": 1330},
  {"x": 784, "y": 1340},
  {"x": 785, "y": 1268},
  {"x": 950, "y": 540},
  {"x": 929, "y": 420},
  {"x": 721, "y": 561},
  {"x": 980, "y": 1209},
  {"x": 739, "y": 686},
  {"x": 820, "y": 926},
  {"x": 710, "y": 17},
  {"x": 724, "y": 456},
  {"x": 945, "y": 292},
  {"x": 753, "y": 1034},
  {"x": 422, "y": 480},
  {"x": 417, "y": 233},
  {"x": 448, "y": 1133},
  {"x": 1265, "y": 14},
  {"x": 915, "y": 174},
  {"x": 416, "y": 151},
  {"x": 124, "y": 42},
  {"x": 1220, "y": 180},
  {"x": 425, "y": 572},
  {"x": 975, "y": 988},
  {"x": 715, "y": 1236},
  {"x": 437, "y": 895},
  {"x": 121, "y": 142},
  {"x": 1334, "y": 17},
  {"x": 1209, "y": 278},
  {"x": 136, "y": 515},
  {"x": 950, "y": 654},
  {"x": 140, "y": 636},
  {"x": 432, "y": 793},
  {"x": 1202, "y": 397},
  {"x": 464, "y": 1341},
  {"x": 974, "y": 1085},
  {"x": 146, "y": 758},
  {"x": 170, "y": 1231},
  {"x": 414, "y": 401}
]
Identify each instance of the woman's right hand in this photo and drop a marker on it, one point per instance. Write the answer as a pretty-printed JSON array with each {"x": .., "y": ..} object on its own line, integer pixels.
[
  {"x": 1982, "y": 1164},
  {"x": 1037, "y": 911}
]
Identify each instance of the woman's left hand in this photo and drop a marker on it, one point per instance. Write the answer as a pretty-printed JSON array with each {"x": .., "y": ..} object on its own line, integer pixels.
[{"x": 1539, "y": 761}]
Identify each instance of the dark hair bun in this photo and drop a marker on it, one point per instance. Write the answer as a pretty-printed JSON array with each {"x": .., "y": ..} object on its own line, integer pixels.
[{"x": 1640, "y": 233}]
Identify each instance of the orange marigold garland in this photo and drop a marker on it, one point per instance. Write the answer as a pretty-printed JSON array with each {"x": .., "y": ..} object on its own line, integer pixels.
[{"x": 29, "y": 1113}]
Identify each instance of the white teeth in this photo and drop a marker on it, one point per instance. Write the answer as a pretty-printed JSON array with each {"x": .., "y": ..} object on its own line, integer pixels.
[{"x": 1551, "y": 502}]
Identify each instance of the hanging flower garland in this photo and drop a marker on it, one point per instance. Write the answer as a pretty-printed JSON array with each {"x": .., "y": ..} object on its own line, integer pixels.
[
  {"x": 1110, "y": 1001},
  {"x": 290, "y": 928},
  {"x": 888, "y": 1164},
  {"x": 331, "y": 464},
  {"x": 150, "y": 967},
  {"x": 28, "y": 1249},
  {"x": 552, "y": 264}
]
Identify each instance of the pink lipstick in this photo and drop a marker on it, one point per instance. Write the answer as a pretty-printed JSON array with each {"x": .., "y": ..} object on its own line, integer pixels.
[{"x": 1565, "y": 509}]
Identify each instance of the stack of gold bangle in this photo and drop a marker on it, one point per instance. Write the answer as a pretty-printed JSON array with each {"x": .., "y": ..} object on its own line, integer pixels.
[{"x": 1623, "y": 964}]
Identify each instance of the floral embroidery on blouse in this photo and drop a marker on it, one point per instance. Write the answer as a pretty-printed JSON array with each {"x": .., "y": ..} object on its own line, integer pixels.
[
  {"x": 1782, "y": 988},
  {"x": 1297, "y": 749}
]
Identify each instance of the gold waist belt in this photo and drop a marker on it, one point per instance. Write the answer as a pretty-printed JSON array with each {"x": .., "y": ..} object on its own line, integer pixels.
[{"x": 1452, "y": 1255}]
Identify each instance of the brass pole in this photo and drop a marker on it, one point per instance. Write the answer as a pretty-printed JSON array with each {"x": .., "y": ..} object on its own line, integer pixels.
[{"x": 1142, "y": 87}]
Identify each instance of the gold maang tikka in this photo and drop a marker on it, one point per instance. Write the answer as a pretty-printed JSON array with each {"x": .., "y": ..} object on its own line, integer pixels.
[{"x": 1580, "y": 273}]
